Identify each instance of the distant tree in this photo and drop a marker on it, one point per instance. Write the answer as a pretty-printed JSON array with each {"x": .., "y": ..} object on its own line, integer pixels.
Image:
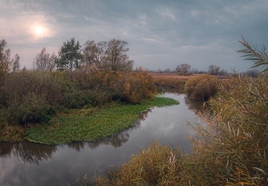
[
  {"x": 194, "y": 70},
  {"x": 213, "y": 70},
  {"x": 183, "y": 69},
  {"x": 70, "y": 57},
  {"x": 3, "y": 64},
  {"x": 140, "y": 69},
  {"x": 252, "y": 73},
  {"x": 2, "y": 49},
  {"x": 4, "y": 57},
  {"x": 44, "y": 61},
  {"x": 15, "y": 63},
  {"x": 260, "y": 57},
  {"x": 107, "y": 55},
  {"x": 167, "y": 70},
  {"x": 8, "y": 64},
  {"x": 223, "y": 72}
]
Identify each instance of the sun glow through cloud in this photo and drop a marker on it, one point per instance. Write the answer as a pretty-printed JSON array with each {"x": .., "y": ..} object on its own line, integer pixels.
[{"x": 40, "y": 31}]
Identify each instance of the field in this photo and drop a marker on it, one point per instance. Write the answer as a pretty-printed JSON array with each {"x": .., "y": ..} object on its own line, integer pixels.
[{"x": 157, "y": 75}]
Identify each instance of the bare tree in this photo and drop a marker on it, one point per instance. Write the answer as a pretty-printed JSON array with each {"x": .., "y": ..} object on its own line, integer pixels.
[
  {"x": 115, "y": 56},
  {"x": 213, "y": 70},
  {"x": 93, "y": 54},
  {"x": 183, "y": 69},
  {"x": 44, "y": 61},
  {"x": 107, "y": 55}
]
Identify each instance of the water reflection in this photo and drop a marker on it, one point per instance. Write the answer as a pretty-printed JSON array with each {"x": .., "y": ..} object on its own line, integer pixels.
[
  {"x": 118, "y": 139},
  {"x": 32, "y": 164},
  {"x": 27, "y": 152},
  {"x": 196, "y": 106}
]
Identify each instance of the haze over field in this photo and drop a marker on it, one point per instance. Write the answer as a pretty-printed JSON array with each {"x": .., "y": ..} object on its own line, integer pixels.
[{"x": 160, "y": 34}]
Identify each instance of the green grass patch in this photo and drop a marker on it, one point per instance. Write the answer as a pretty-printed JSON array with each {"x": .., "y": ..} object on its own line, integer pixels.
[{"x": 92, "y": 124}]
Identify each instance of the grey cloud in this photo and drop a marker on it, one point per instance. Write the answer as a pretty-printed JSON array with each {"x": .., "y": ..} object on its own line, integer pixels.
[{"x": 161, "y": 34}]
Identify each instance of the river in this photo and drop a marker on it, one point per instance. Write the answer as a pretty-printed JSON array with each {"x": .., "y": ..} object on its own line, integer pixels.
[{"x": 25, "y": 163}]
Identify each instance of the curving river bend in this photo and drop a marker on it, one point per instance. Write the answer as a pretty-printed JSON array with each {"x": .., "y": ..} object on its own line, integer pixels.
[{"x": 29, "y": 164}]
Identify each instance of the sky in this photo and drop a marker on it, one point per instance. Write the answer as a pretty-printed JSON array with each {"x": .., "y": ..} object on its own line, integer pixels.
[{"x": 161, "y": 34}]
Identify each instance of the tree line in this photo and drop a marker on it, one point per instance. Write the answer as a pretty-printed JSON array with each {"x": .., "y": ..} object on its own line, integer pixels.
[
  {"x": 186, "y": 70},
  {"x": 8, "y": 63},
  {"x": 78, "y": 77},
  {"x": 104, "y": 55}
]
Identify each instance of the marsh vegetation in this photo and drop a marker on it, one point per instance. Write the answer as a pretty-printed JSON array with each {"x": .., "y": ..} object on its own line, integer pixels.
[{"x": 103, "y": 96}]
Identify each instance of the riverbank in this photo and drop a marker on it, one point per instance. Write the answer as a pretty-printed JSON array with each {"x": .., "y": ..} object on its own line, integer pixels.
[{"x": 83, "y": 124}]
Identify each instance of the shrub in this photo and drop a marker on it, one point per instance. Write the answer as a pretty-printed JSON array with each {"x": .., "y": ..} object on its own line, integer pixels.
[
  {"x": 201, "y": 87},
  {"x": 172, "y": 83},
  {"x": 105, "y": 86},
  {"x": 77, "y": 98},
  {"x": 135, "y": 87},
  {"x": 31, "y": 96},
  {"x": 31, "y": 109},
  {"x": 46, "y": 85},
  {"x": 157, "y": 165}
]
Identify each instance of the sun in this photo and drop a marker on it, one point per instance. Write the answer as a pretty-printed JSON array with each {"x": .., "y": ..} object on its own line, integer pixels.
[{"x": 39, "y": 30}]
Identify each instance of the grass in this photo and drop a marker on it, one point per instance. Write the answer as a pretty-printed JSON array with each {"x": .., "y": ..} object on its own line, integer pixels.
[
  {"x": 91, "y": 124},
  {"x": 169, "y": 80}
]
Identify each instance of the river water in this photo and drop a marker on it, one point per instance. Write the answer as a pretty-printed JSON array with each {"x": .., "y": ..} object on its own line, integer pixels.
[{"x": 29, "y": 164}]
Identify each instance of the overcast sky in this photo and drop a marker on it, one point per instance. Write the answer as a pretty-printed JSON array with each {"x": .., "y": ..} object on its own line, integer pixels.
[{"x": 161, "y": 34}]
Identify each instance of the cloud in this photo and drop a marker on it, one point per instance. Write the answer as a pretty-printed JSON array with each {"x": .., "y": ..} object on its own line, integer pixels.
[
  {"x": 166, "y": 12},
  {"x": 151, "y": 28}
]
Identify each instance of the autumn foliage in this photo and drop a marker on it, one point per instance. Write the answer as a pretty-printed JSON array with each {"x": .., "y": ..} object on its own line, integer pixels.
[
  {"x": 201, "y": 87},
  {"x": 229, "y": 147},
  {"x": 34, "y": 96}
]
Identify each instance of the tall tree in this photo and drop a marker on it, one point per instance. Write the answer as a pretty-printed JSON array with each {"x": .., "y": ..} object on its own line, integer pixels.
[
  {"x": 108, "y": 55},
  {"x": 44, "y": 61},
  {"x": 70, "y": 57},
  {"x": 115, "y": 56},
  {"x": 93, "y": 54}
]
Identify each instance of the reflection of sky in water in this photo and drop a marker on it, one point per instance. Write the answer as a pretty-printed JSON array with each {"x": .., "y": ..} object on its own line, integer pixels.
[{"x": 32, "y": 164}]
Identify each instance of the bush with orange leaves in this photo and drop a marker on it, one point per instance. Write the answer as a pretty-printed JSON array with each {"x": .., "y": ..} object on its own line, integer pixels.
[
  {"x": 105, "y": 86},
  {"x": 201, "y": 87},
  {"x": 29, "y": 96},
  {"x": 136, "y": 86}
]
